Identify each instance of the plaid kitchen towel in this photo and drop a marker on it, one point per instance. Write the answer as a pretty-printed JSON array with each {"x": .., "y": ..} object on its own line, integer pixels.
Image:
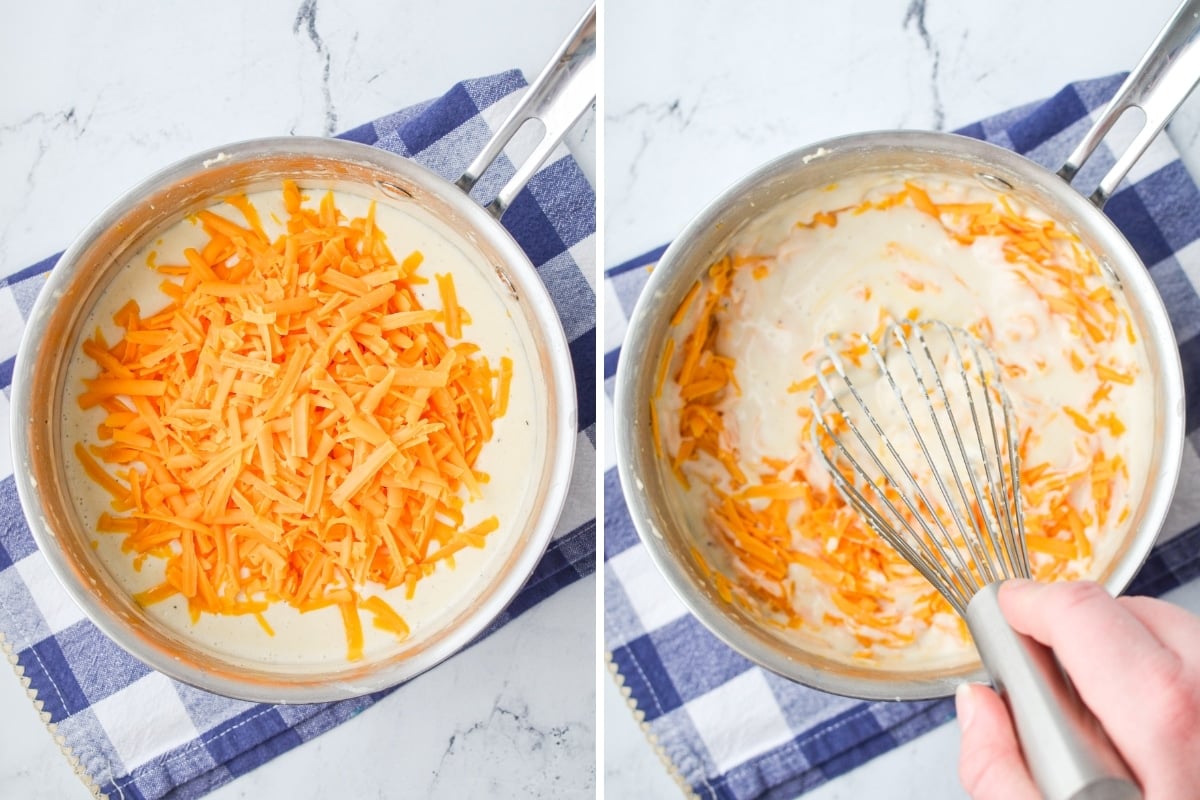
[
  {"x": 185, "y": 742},
  {"x": 732, "y": 730}
]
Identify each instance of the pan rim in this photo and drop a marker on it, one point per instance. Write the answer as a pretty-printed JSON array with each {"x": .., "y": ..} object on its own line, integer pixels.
[
  {"x": 631, "y": 429},
  {"x": 544, "y": 328}
]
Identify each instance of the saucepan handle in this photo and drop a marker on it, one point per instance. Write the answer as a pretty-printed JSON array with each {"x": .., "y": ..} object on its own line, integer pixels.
[
  {"x": 559, "y": 96},
  {"x": 1069, "y": 755},
  {"x": 1158, "y": 85}
]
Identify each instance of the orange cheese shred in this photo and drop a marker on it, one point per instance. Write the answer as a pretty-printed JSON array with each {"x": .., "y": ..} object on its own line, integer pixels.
[
  {"x": 385, "y": 617},
  {"x": 450, "y": 310}
]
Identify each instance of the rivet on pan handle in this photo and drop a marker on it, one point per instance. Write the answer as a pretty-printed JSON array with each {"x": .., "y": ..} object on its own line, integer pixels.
[
  {"x": 559, "y": 96},
  {"x": 1158, "y": 85}
]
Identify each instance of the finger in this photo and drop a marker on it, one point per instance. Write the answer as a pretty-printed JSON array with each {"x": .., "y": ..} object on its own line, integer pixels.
[
  {"x": 1115, "y": 662},
  {"x": 1178, "y": 704},
  {"x": 990, "y": 764},
  {"x": 1175, "y": 627},
  {"x": 1094, "y": 637}
]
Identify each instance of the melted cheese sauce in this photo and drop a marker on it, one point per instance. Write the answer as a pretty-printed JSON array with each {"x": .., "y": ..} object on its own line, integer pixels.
[
  {"x": 318, "y": 637},
  {"x": 889, "y": 264}
]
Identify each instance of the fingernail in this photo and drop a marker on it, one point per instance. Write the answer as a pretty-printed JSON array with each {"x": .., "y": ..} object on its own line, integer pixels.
[
  {"x": 1018, "y": 585},
  {"x": 964, "y": 703}
]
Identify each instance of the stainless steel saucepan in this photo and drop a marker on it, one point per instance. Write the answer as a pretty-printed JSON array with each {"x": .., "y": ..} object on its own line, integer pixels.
[
  {"x": 558, "y": 97},
  {"x": 668, "y": 523}
]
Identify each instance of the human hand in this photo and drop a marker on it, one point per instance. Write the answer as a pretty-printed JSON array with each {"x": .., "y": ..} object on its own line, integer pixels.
[{"x": 1135, "y": 662}]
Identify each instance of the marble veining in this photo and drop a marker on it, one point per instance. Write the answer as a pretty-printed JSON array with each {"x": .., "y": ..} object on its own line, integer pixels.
[
  {"x": 306, "y": 17},
  {"x": 40, "y": 129},
  {"x": 651, "y": 116},
  {"x": 507, "y": 733},
  {"x": 914, "y": 17}
]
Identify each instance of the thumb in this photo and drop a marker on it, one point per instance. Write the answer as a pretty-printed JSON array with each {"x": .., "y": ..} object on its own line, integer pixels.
[{"x": 990, "y": 764}]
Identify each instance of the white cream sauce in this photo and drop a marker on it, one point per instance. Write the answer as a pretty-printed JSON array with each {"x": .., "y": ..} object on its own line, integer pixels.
[
  {"x": 825, "y": 280},
  {"x": 318, "y": 637}
]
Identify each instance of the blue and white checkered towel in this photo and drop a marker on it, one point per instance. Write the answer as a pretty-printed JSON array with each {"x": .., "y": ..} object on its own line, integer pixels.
[
  {"x": 733, "y": 730},
  {"x": 185, "y": 742}
]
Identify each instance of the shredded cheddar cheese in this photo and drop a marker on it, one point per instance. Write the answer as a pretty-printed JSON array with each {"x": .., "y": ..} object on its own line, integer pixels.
[{"x": 292, "y": 426}]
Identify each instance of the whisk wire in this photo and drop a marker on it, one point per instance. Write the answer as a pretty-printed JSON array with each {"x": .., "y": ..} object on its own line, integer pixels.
[
  {"x": 839, "y": 370},
  {"x": 918, "y": 557},
  {"x": 881, "y": 514},
  {"x": 1010, "y": 524},
  {"x": 965, "y": 521},
  {"x": 997, "y": 547},
  {"x": 970, "y": 531}
]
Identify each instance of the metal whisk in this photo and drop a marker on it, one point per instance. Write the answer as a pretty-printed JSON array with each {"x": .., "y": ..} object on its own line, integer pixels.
[{"x": 921, "y": 440}]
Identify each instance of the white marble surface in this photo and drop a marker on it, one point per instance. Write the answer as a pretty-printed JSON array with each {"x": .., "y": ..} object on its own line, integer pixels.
[
  {"x": 696, "y": 95},
  {"x": 97, "y": 96}
]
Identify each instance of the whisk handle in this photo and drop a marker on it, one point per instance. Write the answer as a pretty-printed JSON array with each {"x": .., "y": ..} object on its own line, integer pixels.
[{"x": 1068, "y": 753}]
